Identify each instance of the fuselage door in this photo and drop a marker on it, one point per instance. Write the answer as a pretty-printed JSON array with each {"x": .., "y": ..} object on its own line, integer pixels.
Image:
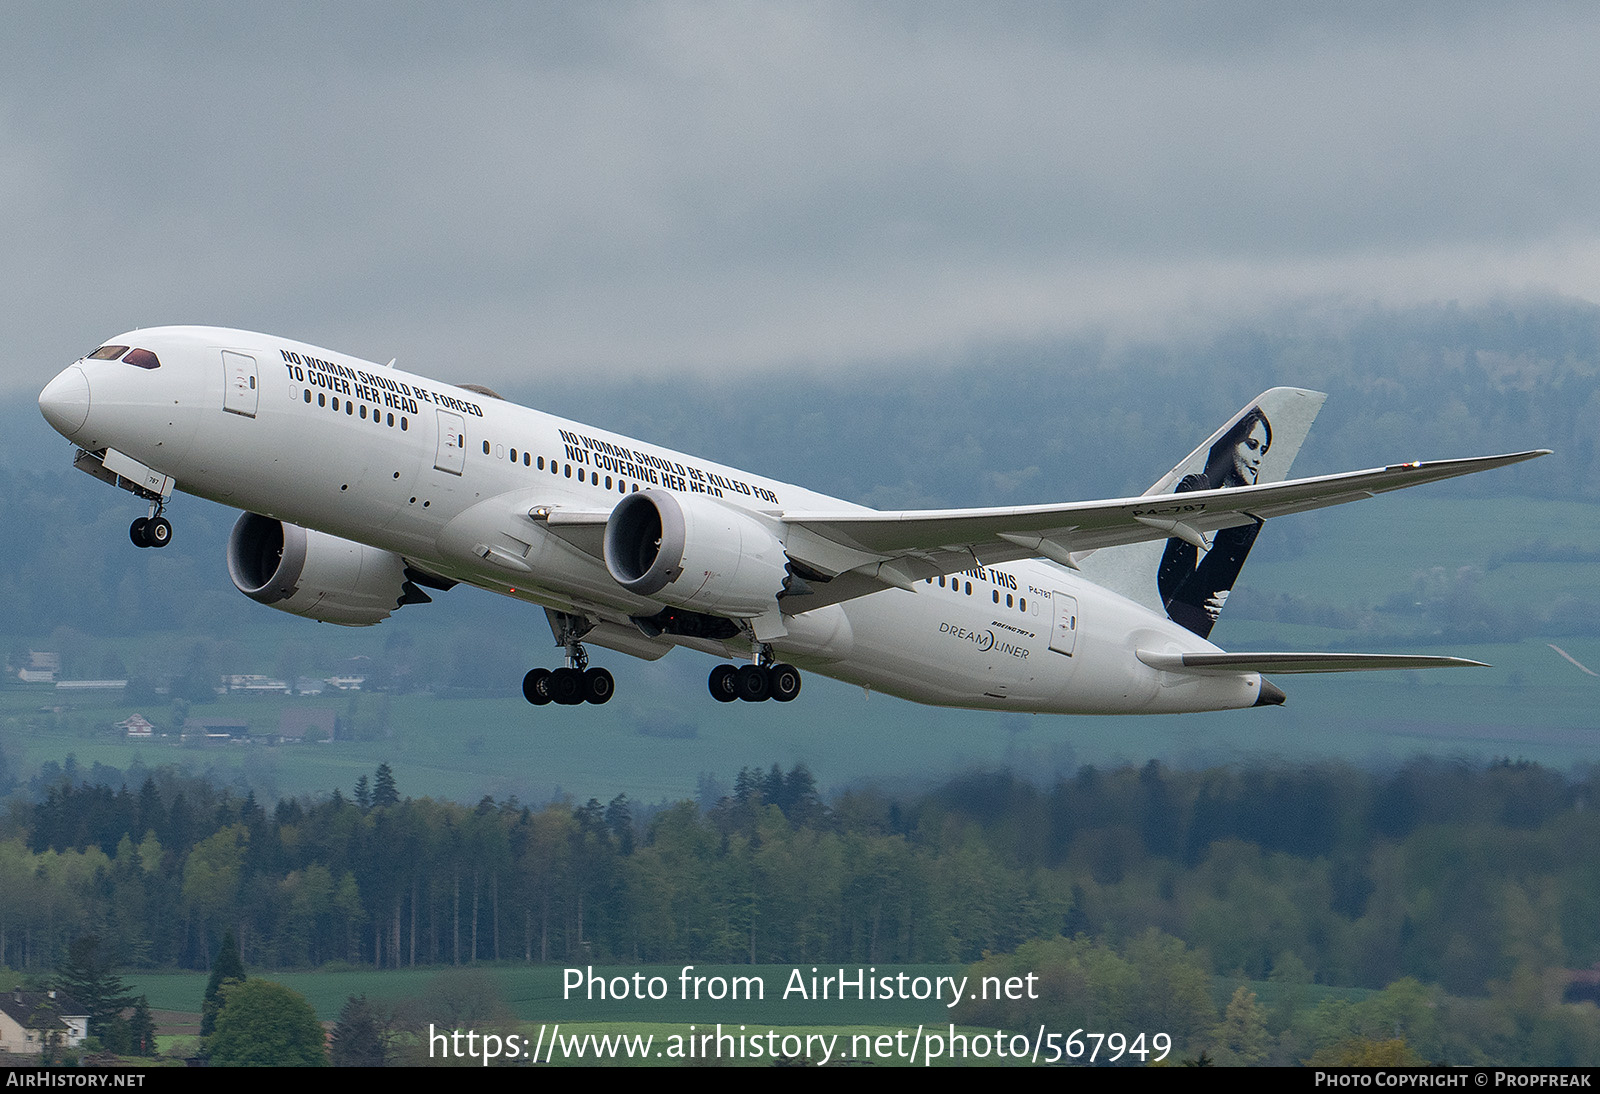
[
  {"x": 1064, "y": 635},
  {"x": 239, "y": 388},
  {"x": 452, "y": 452}
]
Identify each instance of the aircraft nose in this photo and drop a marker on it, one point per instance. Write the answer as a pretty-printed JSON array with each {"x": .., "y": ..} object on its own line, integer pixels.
[{"x": 64, "y": 402}]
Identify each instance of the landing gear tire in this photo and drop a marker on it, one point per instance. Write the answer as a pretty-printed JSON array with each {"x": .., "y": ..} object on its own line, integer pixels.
[
  {"x": 566, "y": 687},
  {"x": 721, "y": 683},
  {"x": 158, "y": 531},
  {"x": 751, "y": 684},
  {"x": 536, "y": 687},
  {"x": 598, "y": 687},
  {"x": 150, "y": 532},
  {"x": 754, "y": 683},
  {"x": 783, "y": 681}
]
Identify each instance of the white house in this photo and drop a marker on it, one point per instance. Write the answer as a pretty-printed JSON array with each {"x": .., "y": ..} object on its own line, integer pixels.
[{"x": 28, "y": 1018}]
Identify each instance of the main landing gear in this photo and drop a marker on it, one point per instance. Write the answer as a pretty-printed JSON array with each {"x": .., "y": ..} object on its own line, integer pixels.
[
  {"x": 766, "y": 679},
  {"x": 576, "y": 683},
  {"x": 568, "y": 687},
  {"x": 154, "y": 530}
]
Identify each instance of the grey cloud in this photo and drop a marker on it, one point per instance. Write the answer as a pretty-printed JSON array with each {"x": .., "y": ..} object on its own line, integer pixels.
[{"x": 505, "y": 189}]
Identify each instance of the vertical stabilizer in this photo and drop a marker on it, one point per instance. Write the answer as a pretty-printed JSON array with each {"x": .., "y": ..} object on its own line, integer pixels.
[{"x": 1186, "y": 581}]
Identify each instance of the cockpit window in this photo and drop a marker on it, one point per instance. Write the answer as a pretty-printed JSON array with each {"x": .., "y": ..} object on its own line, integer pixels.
[
  {"x": 108, "y": 353},
  {"x": 142, "y": 358}
]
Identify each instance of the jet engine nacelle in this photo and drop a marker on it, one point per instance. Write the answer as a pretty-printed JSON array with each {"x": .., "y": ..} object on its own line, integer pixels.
[
  {"x": 693, "y": 552},
  {"x": 313, "y": 574}
]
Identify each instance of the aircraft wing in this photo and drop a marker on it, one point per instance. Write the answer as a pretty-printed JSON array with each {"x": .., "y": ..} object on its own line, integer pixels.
[
  {"x": 1227, "y": 664},
  {"x": 900, "y": 548}
]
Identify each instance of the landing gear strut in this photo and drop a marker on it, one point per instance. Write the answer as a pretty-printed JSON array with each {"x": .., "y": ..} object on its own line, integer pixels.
[
  {"x": 575, "y": 683},
  {"x": 154, "y": 530},
  {"x": 755, "y": 683}
]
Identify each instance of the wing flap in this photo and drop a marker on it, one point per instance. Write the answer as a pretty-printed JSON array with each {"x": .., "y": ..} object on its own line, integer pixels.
[{"x": 585, "y": 529}]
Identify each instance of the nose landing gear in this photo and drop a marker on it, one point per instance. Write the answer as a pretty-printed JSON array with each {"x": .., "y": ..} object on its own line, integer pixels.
[{"x": 154, "y": 530}]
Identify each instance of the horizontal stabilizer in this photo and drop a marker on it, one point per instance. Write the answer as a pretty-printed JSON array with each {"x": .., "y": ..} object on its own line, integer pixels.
[{"x": 1228, "y": 664}]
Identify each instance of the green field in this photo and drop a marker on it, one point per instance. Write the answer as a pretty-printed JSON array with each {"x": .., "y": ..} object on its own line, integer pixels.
[{"x": 464, "y": 749}]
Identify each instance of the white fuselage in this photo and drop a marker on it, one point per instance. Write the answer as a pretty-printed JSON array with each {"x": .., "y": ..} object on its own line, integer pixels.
[{"x": 445, "y": 478}]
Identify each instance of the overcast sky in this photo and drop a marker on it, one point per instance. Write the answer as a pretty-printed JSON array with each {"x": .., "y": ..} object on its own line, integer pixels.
[{"x": 502, "y": 193}]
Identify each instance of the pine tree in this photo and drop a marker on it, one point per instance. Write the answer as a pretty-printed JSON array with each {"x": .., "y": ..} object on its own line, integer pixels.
[
  {"x": 363, "y": 794},
  {"x": 358, "y": 1039},
  {"x": 141, "y": 1030},
  {"x": 89, "y": 977},
  {"x": 619, "y": 819},
  {"x": 226, "y": 969},
  {"x": 151, "y": 815},
  {"x": 384, "y": 791}
]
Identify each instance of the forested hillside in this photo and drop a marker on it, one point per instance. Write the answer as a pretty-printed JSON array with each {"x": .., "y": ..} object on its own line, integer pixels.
[
  {"x": 1477, "y": 880},
  {"x": 1450, "y": 873}
]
